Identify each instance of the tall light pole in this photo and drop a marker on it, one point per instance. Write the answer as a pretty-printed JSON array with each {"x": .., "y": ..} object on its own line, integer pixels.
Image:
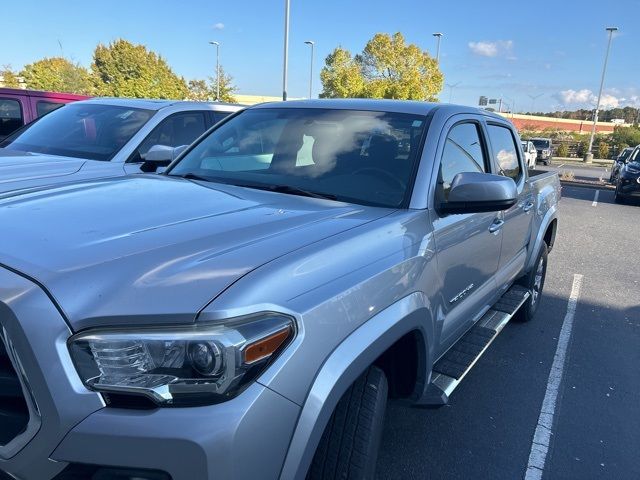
[
  {"x": 286, "y": 50},
  {"x": 312, "y": 44},
  {"x": 588, "y": 157},
  {"x": 438, "y": 35},
  {"x": 217, "y": 45},
  {"x": 533, "y": 100},
  {"x": 451, "y": 87},
  {"x": 512, "y": 104}
]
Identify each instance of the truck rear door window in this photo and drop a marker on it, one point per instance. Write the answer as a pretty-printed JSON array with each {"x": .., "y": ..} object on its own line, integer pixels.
[
  {"x": 505, "y": 151},
  {"x": 10, "y": 117}
]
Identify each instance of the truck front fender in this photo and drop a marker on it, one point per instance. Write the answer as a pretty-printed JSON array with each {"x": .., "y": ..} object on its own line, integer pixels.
[{"x": 345, "y": 364}]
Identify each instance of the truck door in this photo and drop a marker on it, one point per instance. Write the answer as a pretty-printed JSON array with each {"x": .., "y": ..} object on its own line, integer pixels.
[
  {"x": 467, "y": 245},
  {"x": 517, "y": 220}
]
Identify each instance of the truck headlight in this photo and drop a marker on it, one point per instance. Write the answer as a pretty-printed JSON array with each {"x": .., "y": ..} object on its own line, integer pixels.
[{"x": 179, "y": 366}]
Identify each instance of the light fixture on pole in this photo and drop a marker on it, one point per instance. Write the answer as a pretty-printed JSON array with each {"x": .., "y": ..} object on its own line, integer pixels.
[
  {"x": 312, "y": 44},
  {"x": 217, "y": 45},
  {"x": 451, "y": 87},
  {"x": 438, "y": 35},
  {"x": 588, "y": 157},
  {"x": 286, "y": 50},
  {"x": 533, "y": 100}
]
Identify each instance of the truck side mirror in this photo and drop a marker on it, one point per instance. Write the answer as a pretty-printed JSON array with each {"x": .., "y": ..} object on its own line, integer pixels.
[
  {"x": 160, "y": 156},
  {"x": 473, "y": 192}
]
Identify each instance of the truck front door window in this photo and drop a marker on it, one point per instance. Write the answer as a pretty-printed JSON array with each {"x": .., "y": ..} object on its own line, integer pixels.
[{"x": 463, "y": 152}]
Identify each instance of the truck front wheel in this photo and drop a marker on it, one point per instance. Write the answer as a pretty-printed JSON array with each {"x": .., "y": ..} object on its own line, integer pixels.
[
  {"x": 534, "y": 281},
  {"x": 350, "y": 442}
]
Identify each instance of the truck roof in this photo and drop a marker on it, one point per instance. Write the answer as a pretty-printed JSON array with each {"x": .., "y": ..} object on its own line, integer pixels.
[
  {"x": 41, "y": 93},
  {"x": 153, "y": 104},
  {"x": 397, "y": 106}
]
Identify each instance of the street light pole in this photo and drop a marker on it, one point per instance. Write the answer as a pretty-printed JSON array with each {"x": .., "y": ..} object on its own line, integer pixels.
[
  {"x": 588, "y": 158},
  {"x": 438, "y": 35},
  {"x": 451, "y": 87},
  {"x": 217, "y": 45},
  {"x": 533, "y": 100},
  {"x": 312, "y": 44},
  {"x": 286, "y": 50}
]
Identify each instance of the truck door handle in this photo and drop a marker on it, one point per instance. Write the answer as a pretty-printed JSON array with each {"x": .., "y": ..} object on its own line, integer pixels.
[
  {"x": 528, "y": 206},
  {"x": 496, "y": 225}
]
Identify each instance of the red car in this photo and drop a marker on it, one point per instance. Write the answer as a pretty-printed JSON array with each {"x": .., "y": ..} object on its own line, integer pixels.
[{"x": 19, "y": 107}]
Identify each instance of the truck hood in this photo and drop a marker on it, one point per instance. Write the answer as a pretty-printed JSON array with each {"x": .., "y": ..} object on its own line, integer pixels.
[
  {"x": 155, "y": 249},
  {"x": 17, "y": 169}
]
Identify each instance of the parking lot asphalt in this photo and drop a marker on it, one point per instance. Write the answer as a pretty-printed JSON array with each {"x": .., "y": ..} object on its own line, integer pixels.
[{"x": 487, "y": 430}]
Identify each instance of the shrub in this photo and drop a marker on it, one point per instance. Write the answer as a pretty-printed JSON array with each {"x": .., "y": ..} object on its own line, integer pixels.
[
  {"x": 603, "y": 150},
  {"x": 563, "y": 150}
]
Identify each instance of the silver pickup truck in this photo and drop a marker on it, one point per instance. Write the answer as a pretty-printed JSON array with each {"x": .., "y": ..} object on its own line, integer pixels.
[{"x": 247, "y": 313}]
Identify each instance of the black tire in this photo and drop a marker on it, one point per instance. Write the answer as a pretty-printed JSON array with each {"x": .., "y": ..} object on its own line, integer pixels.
[
  {"x": 534, "y": 281},
  {"x": 350, "y": 442},
  {"x": 617, "y": 198}
]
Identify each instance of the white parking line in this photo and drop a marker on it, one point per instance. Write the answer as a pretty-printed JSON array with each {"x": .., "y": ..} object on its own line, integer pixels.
[
  {"x": 595, "y": 199},
  {"x": 542, "y": 435},
  {"x": 561, "y": 165}
]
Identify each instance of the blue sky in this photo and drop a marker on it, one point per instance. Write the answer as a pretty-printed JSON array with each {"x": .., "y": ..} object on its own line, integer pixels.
[{"x": 493, "y": 48}]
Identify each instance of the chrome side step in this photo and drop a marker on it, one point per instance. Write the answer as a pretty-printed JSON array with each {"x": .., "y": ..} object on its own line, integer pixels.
[{"x": 449, "y": 371}]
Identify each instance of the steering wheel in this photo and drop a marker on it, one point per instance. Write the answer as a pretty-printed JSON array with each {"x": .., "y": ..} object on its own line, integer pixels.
[{"x": 383, "y": 175}]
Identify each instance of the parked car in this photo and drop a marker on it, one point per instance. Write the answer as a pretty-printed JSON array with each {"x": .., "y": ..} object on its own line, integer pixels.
[
  {"x": 103, "y": 137},
  {"x": 544, "y": 148},
  {"x": 247, "y": 313},
  {"x": 530, "y": 153},
  {"x": 19, "y": 107},
  {"x": 618, "y": 163},
  {"x": 628, "y": 178}
]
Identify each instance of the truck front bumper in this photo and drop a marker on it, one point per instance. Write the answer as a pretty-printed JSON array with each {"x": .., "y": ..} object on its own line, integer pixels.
[{"x": 246, "y": 437}]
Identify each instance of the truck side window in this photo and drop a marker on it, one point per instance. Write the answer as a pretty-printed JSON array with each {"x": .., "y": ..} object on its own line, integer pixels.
[
  {"x": 463, "y": 152},
  {"x": 10, "y": 117},
  {"x": 43, "y": 107},
  {"x": 174, "y": 131},
  {"x": 505, "y": 152}
]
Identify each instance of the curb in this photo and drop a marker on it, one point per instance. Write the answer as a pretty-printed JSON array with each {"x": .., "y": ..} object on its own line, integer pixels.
[{"x": 600, "y": 186}]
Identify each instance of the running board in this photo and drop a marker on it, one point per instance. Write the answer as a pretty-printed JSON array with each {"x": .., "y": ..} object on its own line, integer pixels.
[{"x": 449, "y": 371}]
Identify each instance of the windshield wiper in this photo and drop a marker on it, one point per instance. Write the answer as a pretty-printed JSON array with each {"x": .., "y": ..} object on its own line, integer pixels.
[
  {"x": 194, "y": 176},
  {"x": 288, "y": 189}
]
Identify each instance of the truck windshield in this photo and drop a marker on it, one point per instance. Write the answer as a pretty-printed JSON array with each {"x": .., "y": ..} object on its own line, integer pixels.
[
  {"x": 353, "y": 156},
  {"x": 541, "y": 143},
  {"x": 82, "y": 130}
]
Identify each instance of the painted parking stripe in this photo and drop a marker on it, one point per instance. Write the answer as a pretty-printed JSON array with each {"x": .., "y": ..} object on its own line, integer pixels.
[
  {"x": 595, "y": 199},
  {"x": 544, "y": 428}
]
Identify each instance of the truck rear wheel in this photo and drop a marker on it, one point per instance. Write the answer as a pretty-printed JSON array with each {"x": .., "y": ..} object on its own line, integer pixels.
[
  {"x": 350, "y": 442},
  {"x": 534, "y": 281}
]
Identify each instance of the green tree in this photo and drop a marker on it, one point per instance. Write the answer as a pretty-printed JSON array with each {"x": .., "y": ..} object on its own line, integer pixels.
[
  {"x": 200, "y": 90},
  {"x": 123, "y": 69},
  {"x": 629, "y": 135},
  {"x": 388, "y": 67},
  {"x": 57, "y": 74},
  {"x": 341, "y": 76},
  {"x": 9, "y": 77},
  {"x": 227, "y": 88}
]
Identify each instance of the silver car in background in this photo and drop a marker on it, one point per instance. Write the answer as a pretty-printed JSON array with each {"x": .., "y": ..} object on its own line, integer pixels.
[{"x": 103, "y": 137}]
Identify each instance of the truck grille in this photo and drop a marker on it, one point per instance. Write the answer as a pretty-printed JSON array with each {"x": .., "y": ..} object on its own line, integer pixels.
[{"x": 14, "y": 412}]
